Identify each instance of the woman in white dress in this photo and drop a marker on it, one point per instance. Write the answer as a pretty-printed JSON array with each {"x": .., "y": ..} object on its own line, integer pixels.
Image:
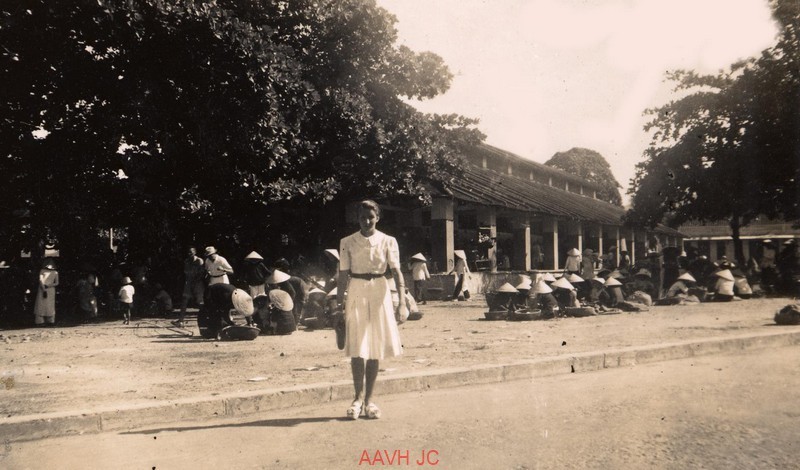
[
  {"x": 371, "y": 326},
  {"x": 45, "y": 306}
]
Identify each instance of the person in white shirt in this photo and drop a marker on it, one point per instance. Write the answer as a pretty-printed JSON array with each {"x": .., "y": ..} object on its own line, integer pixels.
[
  {"x": 217, "y": 267},
  {"x": 126, "y": 293},
  {"x": 461, "y": 271},
  {"x": 420, "y": 274}
]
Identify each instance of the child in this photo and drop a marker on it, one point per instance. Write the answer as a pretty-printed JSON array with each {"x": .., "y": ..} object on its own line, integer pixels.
[
  {"x": 419, "y": 274},
  {"x": 126, "y": 299}
]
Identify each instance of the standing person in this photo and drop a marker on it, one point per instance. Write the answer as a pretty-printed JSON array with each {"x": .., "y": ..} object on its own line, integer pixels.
[
  {"x": 573, "y": 263},
  {"x": 255, "y": 274},
  {"x": 126, "y": 293},
  {"x": 215, "y": 314},
  {"x": 193, "y": 285},
  {"x": 461, "y": 270},
  {"x": 420, "y": 276},
  {"x": 87, "y": 302},
  {"x": 768, "y": 266},
  {"x": 610, "y": 259},
  {"x": 371, "y": 326},
  {"x": 45, "y": 306},
  {"x": 217, "y": 267}
]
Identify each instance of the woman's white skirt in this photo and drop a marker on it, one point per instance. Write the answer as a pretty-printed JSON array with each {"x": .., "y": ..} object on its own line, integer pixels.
[{"x": 371, "y": 327}]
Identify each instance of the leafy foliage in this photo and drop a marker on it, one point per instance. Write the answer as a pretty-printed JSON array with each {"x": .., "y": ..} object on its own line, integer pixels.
[
  {"x": 209, "y": 121},
  {"x": 730, "y": 148},
  {"x": 592, "y": 167}
]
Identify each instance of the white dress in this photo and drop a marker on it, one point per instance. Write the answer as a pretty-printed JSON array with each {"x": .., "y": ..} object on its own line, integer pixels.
[{"x": 371, "y": 326}]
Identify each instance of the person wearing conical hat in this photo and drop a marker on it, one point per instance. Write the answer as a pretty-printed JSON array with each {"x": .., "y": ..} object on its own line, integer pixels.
[
  {"x": 541, "y": 295},
  {"x": 217, "y": 267},
  {"x": 548, "y": 278},
  {"x": 565, "y": 293},
  {"x": 614, "y": 289},
  {"x": 44, "y": 309},
  {"x": 723, "y": 288},
  {"x": 741, "y": 286},
  {"x": 420, "y": 276},
  {"x": 215, "y": 313},
  {"x": 642, "y": 283},
  {"x": 461, "y": 271},
  {"x": 679, "y": 290},
  {"x": 587, "y": 265},
  {"x": 193, "y": 283},
  {"x": 597, "y": 294},
  {"x": 126, "y": 293},
  {"x": 573, "y": 263},
  {"x": 255, "y": 274}
]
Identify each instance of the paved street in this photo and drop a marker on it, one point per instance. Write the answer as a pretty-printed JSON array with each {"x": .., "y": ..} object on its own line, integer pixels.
[{"x": 723, "y": 412}]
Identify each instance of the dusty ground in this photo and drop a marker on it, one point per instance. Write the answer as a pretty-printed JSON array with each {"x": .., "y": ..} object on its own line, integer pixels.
[{"x": 99, "y": 365}]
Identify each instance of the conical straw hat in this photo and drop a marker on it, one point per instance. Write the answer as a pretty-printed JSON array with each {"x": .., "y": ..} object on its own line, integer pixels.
[
  {"x": 253, "y": 255},
  {"x": 333, "y": 252},
  {"x": 460, "y": 254},
  {"x": 333, "y": 292},
  {"x": 507, "y": 288},
  {"x": 419, "y": 257},
  {"x": 573, "y": 252},
  {"x": 611, "y": 282},
  {"x": 277, "y": 277},
  {"x": 542, "y": 288},
  {"x": 599, "y": 280},
  {"x": 563, "y": 283},
  {"x": 281, "y": 300},
  {"x": 525, "y": 284},
  {"x": 725, "y": 274},
  {"x": 687, "y": 277},
  {"x": 574, "y": 278},
  {"x": 548, "y": 277},
  {"x": 242, "y": 302}
]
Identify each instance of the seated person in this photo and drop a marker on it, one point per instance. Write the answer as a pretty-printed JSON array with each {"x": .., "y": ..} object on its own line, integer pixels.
[
  {"x": 215, "y": 313},
  {"x": 597, "y": 294},
  {"x": 614, "y": 290},
  {"x": 274, "y": 313},
  {"x": 723, "y": 288},
  {"x": 642, "y": 282},
  {"x": 163, "y": 301},
  {"x": 294, "y": 286},
  {"x": 681, "y": 291},
  {"x": 565, "y": 294},
  {"x": 741, "y": 287},
  {"x": 542, "y": 295}
]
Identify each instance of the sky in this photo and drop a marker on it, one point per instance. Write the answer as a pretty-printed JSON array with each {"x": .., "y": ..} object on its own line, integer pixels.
[{"x": 544, "y": 76}]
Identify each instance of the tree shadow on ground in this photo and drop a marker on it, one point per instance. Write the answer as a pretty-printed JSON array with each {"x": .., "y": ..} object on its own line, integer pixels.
[{"x": 277, "y": 423}]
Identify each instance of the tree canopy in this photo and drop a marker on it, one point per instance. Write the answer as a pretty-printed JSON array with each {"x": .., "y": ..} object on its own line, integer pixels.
[
  {"x": 210, "y": 120},
  {"x": 592, "y": 167},
  {"x": 730, "y": 147}
]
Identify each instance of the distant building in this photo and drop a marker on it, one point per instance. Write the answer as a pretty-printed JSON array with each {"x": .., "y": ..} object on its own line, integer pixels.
[
  {"x": 714, "y": 239},
  {"x": 515, "y": 214}
]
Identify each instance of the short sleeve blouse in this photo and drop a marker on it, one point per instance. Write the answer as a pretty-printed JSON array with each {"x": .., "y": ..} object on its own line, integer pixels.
[{"x": 368, "y": 255}]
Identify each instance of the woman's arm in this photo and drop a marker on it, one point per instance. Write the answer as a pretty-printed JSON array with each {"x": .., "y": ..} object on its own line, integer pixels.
[
  {"x": 400, "y": 283},
  {"x": 341, "y": 286}
]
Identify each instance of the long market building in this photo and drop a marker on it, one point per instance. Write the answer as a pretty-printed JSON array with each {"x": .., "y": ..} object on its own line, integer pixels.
[{"x": 511, "y": 214}]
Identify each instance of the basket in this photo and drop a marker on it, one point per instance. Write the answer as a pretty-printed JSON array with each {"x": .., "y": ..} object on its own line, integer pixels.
[
  {"x": 413, "y": 316},
  {"x": 525, "y": 315},
  {"x": 239, "y": 333},
  {"x": 580, "y": 312},
  {"x": 494, "y": 315},
  {"x": 609, "y": 311}
]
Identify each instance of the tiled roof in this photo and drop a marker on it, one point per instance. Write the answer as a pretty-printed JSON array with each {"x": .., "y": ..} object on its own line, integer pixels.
[
  {"x": 539, "y": 168},
  {"x": 491, "y": 188}
]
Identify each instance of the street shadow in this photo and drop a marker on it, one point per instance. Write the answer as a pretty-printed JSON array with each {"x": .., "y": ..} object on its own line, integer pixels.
[{"x": 274, "y": 423}]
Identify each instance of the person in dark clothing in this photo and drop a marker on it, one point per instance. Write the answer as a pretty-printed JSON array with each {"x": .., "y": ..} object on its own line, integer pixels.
[
  {"x": 543, "y": 295},
  {"x": 294, "y": 286},
  {"x": 215, "y": 312},
  {"x": 255, "y": 274}
]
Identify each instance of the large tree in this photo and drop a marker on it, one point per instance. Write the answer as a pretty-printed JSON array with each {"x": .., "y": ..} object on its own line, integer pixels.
[
  {"x": 209, "y": 120},
  {"x": 730, "y": 147},
  {"x": 592, "y": 167}
]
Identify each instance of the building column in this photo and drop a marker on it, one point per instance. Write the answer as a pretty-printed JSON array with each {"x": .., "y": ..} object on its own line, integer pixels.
[
  {"x": 550, "y": 242},
  {"x": 632, "y": 248},
  {"x": 522, "y": 244},
  {"x": 618, "y": 250},
  {"x": 487, "y": 217},
  {"x": 442, "y": 237},
  {"x": 600, "y": 251}
]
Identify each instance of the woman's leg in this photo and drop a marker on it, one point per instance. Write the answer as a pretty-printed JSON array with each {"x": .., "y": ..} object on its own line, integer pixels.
[
  {"x": 357, "y": 367},
  {"x": 372, "y": 376}
]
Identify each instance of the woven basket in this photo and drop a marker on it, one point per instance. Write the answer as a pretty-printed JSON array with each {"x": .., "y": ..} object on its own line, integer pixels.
[{"x": 525, "y": 315}]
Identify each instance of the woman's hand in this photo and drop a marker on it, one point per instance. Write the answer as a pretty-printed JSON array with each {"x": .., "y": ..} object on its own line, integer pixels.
[{"x": 401, "y": 314}]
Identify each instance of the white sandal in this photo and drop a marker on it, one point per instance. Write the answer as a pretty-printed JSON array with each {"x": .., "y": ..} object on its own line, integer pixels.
[
  {"x": 355, "y": 410},
  {"x": 373, "y": 412}
]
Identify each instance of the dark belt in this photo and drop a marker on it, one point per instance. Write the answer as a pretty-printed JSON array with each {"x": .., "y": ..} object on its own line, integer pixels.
[
  {"x": 218, "y": 275},
  {"x": 366, "y": 276}
]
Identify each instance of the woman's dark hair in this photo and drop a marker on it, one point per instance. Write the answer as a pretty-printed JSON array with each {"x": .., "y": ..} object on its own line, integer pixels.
[{"x": 369, "y": 205}]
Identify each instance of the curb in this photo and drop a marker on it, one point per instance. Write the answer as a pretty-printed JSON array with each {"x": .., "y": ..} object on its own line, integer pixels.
[{"x": 32, "y": 427}]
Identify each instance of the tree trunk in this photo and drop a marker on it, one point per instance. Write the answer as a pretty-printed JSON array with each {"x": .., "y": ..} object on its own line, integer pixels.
[{"x": 738, "y": 250}]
